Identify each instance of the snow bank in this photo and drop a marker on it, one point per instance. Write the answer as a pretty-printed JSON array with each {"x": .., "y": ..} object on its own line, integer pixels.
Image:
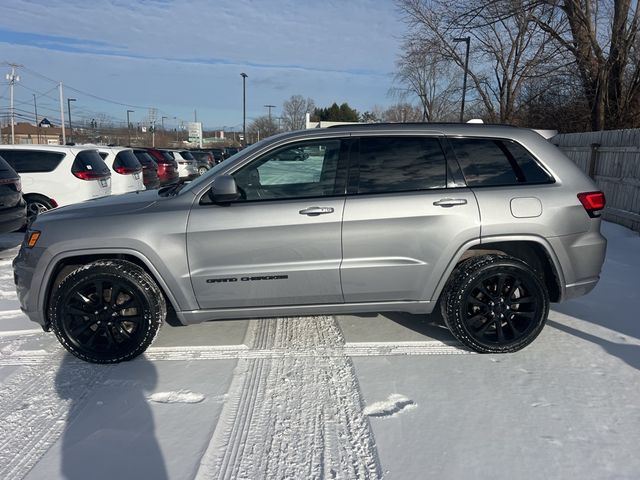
[
  {"x": 181, "y": 396},
  {"x": 390, "y": 407}
]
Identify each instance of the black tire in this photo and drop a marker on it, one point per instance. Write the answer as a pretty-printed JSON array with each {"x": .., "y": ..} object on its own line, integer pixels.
[
  {"x": 202, "y": 170},
  {"x": 36, "y": 204},
  {"x": 103, "y": 328},
  {"x": 495, "y": 304}
]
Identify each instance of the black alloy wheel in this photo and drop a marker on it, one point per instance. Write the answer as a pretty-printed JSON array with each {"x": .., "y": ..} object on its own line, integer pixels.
[
  {"x": 496, "y": 304},
  {"x": 108, "y": 311}
]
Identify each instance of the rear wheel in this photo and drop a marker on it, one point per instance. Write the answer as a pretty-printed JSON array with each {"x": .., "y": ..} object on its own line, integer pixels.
[
  {"x": 495, "y": 304},
  {"x": 202, "y": 170},
  {"x": 36, "y": 204},
  {"x": 107, "y": 311}
]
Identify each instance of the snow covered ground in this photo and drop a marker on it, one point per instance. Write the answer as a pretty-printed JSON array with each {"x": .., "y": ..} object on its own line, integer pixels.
[{"x": 353, "y": 397}]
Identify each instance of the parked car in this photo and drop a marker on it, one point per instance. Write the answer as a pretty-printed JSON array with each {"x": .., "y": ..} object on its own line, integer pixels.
[
  {"x": 491, "y": 223},
  {"x": 13, "y": 208},
  {"x": 127, "y": 170},
  {"x": 187, "y": 165},
  {"x": 149, "y": 169},
  {"x": 57, "y": 175},
  {"x": 230, "y": 151},
  {"x": 218, "y": 154},
  {"x": 204, "y": 159},
  {"x": 167, "y": 166},
  {"x": 293, "y": 155}
]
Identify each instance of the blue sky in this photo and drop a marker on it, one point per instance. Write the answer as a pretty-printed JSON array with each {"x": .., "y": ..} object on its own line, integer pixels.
[{"x": 181, "y": 55}]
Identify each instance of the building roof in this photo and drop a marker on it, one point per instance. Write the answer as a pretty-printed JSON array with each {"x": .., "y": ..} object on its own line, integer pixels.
[{"x": 24, "y": 128}]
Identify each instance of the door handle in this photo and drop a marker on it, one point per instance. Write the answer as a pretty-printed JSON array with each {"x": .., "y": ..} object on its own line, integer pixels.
[
  {"x": 450, "y": 202},
  {"x": 315, "y": 211}
]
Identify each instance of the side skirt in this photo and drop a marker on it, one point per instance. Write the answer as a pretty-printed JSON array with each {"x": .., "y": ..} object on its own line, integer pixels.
[{"x": 199, "y": 316}]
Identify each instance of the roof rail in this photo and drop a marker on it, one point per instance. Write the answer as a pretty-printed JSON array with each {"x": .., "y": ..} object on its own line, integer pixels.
[{"x": 473, "y": 123}]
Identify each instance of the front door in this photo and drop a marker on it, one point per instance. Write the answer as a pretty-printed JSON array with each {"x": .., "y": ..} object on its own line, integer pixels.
[{"x": 280, "y": 244}]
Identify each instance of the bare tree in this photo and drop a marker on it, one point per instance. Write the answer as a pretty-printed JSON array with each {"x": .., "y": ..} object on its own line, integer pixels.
[
  {"x": 294, "y": 111},
  {"x": 507, "y": 51},
  {"x": 424, "y": 75},
  {"x": 262, "y": 127},
  {"x": 602, "y": 38},
  {"x": 402, "y": 113}
]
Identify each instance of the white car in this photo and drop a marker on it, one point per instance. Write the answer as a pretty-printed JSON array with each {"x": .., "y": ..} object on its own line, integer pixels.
[
  {"x": 57, "y": 175},
  {"x": 126, "y": 169},
  {"x": 187, "y": 164}
]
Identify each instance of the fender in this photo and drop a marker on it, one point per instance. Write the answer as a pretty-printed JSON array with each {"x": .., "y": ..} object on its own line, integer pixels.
[
  {"x": 169, "y": 292},
  {"x": 501, "y": 238}
]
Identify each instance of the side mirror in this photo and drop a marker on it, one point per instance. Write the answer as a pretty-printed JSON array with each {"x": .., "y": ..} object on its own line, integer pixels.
[{"x": 224, "y": 189}]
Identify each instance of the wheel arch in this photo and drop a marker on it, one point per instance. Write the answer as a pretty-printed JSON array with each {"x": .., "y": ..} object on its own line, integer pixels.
[
  {"x": 64, "y": 264},
  {"x": 533, "y": 250}
]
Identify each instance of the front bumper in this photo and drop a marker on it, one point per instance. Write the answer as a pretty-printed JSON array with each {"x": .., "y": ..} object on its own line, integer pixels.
[{"x": 24, "y": 271}]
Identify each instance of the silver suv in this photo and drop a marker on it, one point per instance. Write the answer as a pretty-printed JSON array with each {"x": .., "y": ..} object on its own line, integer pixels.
[{"x": 490, "y": 223}]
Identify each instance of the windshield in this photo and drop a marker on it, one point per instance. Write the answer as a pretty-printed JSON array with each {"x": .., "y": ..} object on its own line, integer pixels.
[{"x": 203, "y": 179}]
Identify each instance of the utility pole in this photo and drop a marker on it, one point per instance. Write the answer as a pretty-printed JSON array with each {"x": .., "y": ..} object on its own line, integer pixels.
[
  {"x": 244, "y": 108},
  {"x": 129, "y": 125},
  {"x": 69, "y": 100},
  {"x": 270, "y": 107},
  {"x": 195, "y": 115},
  {"x": 12, "y": 78},
  {"x": 64, "y": 137},
  {"x": 467, "y": 40},
  {"x": 35, "y": 106}
]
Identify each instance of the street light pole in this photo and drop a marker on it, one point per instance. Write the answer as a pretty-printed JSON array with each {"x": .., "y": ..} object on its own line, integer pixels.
[
  {"x": 244, "y": 107},
  {"x": 129, "y": 126},
  {"x": 69, "y": 100},
  {"x": 467, "y": 40},
  {"x": 270, "y": 107}
]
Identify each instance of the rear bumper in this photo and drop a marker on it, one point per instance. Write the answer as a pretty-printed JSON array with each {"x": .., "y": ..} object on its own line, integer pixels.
[
  {"x": 578, "y": 289},
  {"x": 12, "y": 219},
  {"x": 581, "y": 257}
]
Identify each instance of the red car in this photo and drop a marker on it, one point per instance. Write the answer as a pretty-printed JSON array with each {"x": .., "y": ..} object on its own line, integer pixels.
[{"x": 167, "y": 166}]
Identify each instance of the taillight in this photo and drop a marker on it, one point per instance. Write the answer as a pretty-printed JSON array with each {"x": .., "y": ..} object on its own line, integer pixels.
[
  {"x": 90, "y": 175},
  {"x": 127, "y": 171},
  {"x": 592, "y": 202},
  {"x": 15, "y": 181}
]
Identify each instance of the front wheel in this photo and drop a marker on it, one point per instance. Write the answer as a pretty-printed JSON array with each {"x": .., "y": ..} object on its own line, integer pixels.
[
  {"x": 108, "y": 311},
  {"x": 495, "y": 304}
]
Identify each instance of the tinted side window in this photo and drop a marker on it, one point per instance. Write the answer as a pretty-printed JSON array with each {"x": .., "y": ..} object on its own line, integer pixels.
[
  {"x": 489, "y": 162},
  {"x": 531, "y": 170},
  {"x": 302, "y": 170},
  {"x": 400, "y": 164},
  {"x": 32, "y": 161}
]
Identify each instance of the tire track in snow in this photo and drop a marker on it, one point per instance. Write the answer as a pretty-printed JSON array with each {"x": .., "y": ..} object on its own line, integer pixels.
[
  {"x": 233, "y": 352},
  {"x": 293, "y": 416},
  {"x": 37, "y": 410}
]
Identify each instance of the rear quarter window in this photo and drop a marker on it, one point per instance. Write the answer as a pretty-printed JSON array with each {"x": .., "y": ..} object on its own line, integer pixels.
[
  {"x": 497, "y": 162},
  {"x": 90, "y": 160},
  {"x": 32, "y": 161},
  {"x": 126, "y": 159}
]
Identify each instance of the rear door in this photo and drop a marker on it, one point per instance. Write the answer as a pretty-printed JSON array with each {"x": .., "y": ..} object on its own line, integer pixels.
[
  {"x": 279, "y": 244},
  {"x": 402, "y": 225}
]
